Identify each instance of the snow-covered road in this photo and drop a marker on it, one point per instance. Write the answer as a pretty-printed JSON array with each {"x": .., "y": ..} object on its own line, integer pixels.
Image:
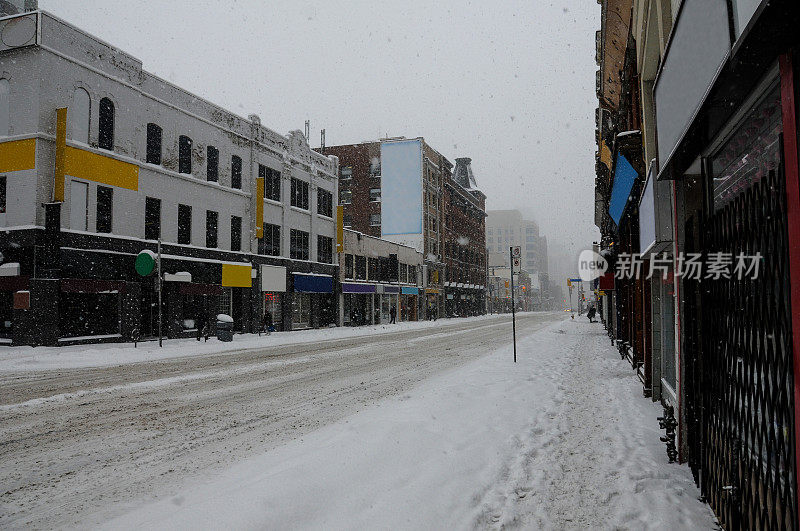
[
  {"x": 84, "y": 443},
  {"x": 426, "y": 427}
]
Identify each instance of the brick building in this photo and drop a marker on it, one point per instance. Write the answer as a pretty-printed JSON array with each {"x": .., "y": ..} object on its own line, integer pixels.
[
  {"x": 464, "y": 242},
  {"x": 393, "y": 189}
]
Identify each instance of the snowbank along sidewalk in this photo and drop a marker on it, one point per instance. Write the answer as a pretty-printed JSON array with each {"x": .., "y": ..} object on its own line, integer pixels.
[
  {"x": 108, "y": 354},
  {"x": 561, "y": 440}
]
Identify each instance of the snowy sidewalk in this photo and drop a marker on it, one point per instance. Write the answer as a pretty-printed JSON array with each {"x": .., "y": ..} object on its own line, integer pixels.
[{"x": 562, "y": 439}]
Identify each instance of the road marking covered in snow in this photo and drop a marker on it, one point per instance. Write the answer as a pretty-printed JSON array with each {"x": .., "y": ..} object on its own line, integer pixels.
[
  {"x": 152, "y": 384},
  {"x": 454, "y": 333}
]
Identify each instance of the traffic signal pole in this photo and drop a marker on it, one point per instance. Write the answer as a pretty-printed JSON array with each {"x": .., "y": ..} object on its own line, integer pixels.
[{"x": 513, "y": 303}]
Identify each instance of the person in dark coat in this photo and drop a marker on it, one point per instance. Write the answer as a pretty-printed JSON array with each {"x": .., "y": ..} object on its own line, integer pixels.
[
  {"x": 590, "y": 314},
  {"x": 200, "y": 323},
  {"x": 393, "y": 315}
]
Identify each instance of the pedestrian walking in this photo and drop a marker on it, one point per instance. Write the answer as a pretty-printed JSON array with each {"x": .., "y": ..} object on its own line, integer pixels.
[
  {"x": 591, "y": 313},
  {"x": 393, "y": 315},
  {"x": 200, "y": 323}
]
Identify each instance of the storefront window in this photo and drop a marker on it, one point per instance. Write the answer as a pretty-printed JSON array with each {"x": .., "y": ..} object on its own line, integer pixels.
[
  {"x": 102, "y": 319},
  {"x": 272, "y": 306},
  {"x": 301, "y": 310},
  {"x": 752, "y": 151},
  {"x": 225, "y": 305}
]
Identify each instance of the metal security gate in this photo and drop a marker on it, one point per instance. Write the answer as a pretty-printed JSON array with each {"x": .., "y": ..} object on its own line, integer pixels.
[{"x": 744, "y": 392}]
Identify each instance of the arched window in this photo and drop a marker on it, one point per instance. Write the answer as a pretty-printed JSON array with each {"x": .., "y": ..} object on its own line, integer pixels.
[
  {"x": 105, "y": 132},
  {"x": 184, "y": 154},
  {"x": 79, "y": 115},
  {"x": 5, "y": 95}
]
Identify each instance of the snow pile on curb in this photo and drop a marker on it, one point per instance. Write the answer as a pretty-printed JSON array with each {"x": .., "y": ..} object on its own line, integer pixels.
[{"x": 563, "y": 439}]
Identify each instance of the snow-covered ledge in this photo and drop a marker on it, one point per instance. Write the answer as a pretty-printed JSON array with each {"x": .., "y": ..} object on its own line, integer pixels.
[{"x": 11, "y": 269}]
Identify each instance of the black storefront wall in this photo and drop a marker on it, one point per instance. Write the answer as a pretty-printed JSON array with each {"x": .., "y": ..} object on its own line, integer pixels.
[{"x": 743, "y": 457}]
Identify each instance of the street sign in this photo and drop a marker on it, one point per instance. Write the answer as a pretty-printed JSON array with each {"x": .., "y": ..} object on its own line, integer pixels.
[
  {"x": 145, "y": 262},
  {"x": 516, "y": 251},
  {"x": 517, "y": 263}
]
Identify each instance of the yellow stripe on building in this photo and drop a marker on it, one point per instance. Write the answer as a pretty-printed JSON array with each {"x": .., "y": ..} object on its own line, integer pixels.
[
  {"x": 61, "y": 153},
  {"x": 237, "y": 276},
  {"x": 101, "y": 169},
  {"x": 605, "y": 154},
  {"x": 18, "y": 155}
]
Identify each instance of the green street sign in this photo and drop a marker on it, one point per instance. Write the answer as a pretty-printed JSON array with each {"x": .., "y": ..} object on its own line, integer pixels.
[{"x": 145, "y": 262}]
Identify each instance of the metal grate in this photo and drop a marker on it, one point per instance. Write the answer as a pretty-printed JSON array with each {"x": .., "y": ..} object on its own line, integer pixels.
[{"x": 747, "y": 460}]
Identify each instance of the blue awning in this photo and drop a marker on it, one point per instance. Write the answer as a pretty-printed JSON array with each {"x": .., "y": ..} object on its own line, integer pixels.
[
  {"x": 624, "y": 177},
  {"x": 409, "y": 291},
  {"x": 313, "y": 283}
]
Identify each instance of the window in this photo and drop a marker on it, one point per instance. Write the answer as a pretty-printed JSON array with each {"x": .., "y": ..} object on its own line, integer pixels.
[
  {"x": 374, "y": 194},
  {"x": 346, "y": 173},
  {"x": 324, "y": 249},
  {"x": 299, "y": 194},
  {"x": 78, "y": 205},
  {"x": 298, "y": 248},
  {"x": 236, "y": 172},
  {"x": 212, "y": 222},
  {"x": 403, "y": 274},
  {"x": 153, "y": 144},
  {"x": 105, "y": 203},
  {"x": 361, "y": 268},
  {"x": 3, "y": 184},
  {"x": 236, "y": 233},
  {"x": 324, "y": 203},
  {"x": 272, "y": 182},
  {"x": 348, "y": 266},
  {"x": 184, "y": 154},
  {"x": 79, "y": 115},
  {"x": 345, "y": 197},
  {"x": 374, "y": 220},
  {"x": 270, "y": 243},
  {"x": 152, "y": 218},
  {"x": 372, "y": 266},
  {"x": 184, "y": 224},
  {"x": 212, "y": 164},
  {"x": 347, "y": 221},
  {"x": 105, "y": 132},
  {"x": 375, "y": 167}
]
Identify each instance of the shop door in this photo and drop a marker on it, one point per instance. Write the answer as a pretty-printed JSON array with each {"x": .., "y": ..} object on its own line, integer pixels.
[{"x": 301, "y": 310}]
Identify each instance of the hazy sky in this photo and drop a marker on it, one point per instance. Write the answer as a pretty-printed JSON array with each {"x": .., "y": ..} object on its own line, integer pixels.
[{"x": 509, "y": 84}]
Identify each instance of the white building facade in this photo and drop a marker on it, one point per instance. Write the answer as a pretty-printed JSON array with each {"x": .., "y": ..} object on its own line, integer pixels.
[{"x": 246, "y": 211}]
